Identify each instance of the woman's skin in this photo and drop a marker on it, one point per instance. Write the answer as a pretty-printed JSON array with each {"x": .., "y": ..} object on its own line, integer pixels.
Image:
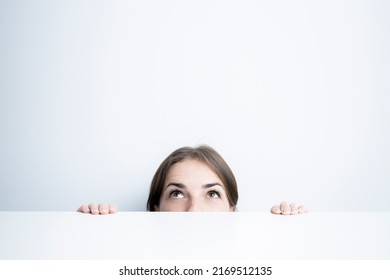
[
  {"x": 285, "y": 208},
  {"x": 192, "y": 186},
  {"x": 96, "y": 209}
]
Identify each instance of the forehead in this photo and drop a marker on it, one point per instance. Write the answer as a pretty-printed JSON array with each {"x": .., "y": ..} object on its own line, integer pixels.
[{"x": 191, "y": 169}]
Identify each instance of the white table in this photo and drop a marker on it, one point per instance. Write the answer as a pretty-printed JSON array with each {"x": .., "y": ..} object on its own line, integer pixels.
[{"x": 241, "y": 235}]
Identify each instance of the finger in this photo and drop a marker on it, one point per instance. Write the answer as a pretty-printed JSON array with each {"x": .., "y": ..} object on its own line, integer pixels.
[
  {"x": 276, "y": 209},
  {"x": 103, "y": 209},
  {"x": 94, "y": 208},
  {"x": 113, "y": 209},
  {"x": 285, "y": 208},
  {"x": 302, "y": 209},
  {"x": 294, "y": 209},
  {"x": 84, "y": 209}
]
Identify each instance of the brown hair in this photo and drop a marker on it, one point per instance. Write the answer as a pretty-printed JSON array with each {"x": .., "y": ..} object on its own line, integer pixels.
[{"x": 204, "y": 154}]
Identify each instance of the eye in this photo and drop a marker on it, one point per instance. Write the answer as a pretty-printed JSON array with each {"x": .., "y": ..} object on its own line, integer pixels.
[
  {"x": 176, "y": 194},
  {"x": 214, "y": 194}
]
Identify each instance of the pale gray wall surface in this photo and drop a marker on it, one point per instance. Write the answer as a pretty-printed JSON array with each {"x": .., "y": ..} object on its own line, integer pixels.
[{"x": 294, "y": 94}]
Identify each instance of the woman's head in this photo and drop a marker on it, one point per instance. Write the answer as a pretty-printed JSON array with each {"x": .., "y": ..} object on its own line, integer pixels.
[{"x": 193, "y": 179}]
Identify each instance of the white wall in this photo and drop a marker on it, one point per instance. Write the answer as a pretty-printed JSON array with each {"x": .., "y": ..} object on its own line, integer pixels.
[{"x": 294, "y": 94}]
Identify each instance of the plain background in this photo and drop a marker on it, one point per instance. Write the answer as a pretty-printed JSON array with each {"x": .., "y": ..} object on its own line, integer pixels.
[{"x": 295, "y": 96}]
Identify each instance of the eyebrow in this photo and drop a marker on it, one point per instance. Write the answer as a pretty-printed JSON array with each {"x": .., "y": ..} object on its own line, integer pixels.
[
  {"x": 182, "y": 186},
  {"x": 207, "y": 186}
]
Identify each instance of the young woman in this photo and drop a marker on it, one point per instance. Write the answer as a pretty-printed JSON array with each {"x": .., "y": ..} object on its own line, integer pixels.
[{"x": 193, "y": 180}]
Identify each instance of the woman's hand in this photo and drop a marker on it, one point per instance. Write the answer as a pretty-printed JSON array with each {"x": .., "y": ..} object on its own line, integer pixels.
[
  {"x": 285, "y": 208},
  {"x": 96, "y": 209}
]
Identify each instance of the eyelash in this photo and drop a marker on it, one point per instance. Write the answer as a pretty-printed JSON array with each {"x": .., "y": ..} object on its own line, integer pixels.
[
  {"x": 214, "y": 191},
  {"x": 175, "y": 191}
]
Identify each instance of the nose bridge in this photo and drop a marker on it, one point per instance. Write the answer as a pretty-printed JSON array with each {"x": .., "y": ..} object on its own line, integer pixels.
[{"x": 195, "y": 205}]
